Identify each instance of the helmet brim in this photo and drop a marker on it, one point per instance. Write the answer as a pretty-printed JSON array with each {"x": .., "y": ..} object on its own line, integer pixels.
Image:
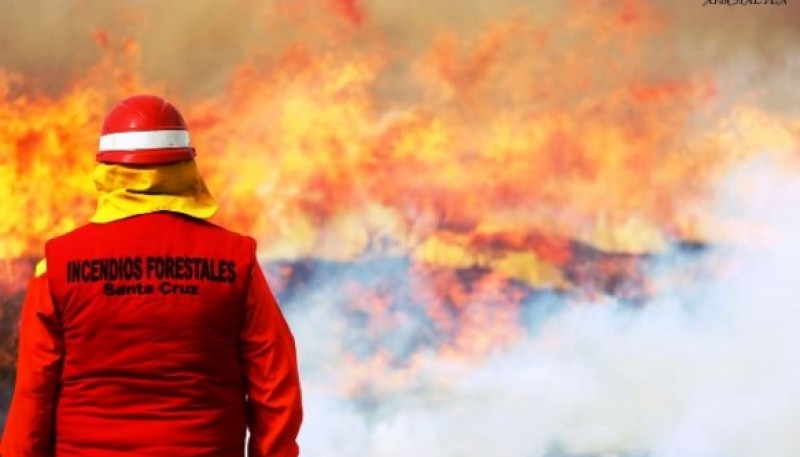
[{"x": 146, "y": 156}]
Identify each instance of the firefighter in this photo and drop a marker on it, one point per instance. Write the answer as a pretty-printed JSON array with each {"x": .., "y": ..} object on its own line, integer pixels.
[{"x": 150, "y": 331}]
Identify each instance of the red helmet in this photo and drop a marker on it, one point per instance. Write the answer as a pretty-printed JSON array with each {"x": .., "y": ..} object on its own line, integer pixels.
[{"x": 144, "y": 130}]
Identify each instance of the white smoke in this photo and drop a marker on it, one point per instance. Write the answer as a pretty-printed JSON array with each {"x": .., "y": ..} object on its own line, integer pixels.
[{"x": 712, "y": 373}]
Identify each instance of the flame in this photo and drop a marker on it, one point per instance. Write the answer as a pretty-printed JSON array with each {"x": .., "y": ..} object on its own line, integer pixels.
[
  {"x": 498, "y": 154},
  {"x": 304, "y": 153}
]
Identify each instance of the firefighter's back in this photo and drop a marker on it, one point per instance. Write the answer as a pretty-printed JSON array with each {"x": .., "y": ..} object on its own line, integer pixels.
[{"x": 151, "y": 308}]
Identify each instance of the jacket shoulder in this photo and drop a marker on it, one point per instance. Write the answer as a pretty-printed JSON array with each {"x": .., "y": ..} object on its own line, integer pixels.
[
  {"x": 70, "y": 236},
  {"x": 148, "y": 225},
  {"x": 226, "y": 232}
]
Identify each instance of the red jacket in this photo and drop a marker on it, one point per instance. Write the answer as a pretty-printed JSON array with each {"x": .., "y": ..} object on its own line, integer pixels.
[{"x": 154, "y": 335}]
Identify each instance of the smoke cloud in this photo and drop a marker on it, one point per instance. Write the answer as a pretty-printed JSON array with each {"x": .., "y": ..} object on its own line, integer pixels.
[{"x": 707, "y": 371}]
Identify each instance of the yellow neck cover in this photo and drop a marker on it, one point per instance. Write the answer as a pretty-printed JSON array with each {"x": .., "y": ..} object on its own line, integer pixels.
[{"x": 129, "y": 191}]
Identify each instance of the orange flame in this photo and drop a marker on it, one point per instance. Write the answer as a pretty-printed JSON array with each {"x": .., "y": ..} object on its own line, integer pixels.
[{"x": 497, "y": 152}]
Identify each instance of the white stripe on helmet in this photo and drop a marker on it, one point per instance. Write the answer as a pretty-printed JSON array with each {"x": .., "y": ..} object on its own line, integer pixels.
[{"x": 155, "y": 139}]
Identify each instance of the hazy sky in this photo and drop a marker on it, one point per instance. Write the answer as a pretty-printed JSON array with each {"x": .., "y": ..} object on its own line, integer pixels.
[{"x": 194, "y": 44}]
